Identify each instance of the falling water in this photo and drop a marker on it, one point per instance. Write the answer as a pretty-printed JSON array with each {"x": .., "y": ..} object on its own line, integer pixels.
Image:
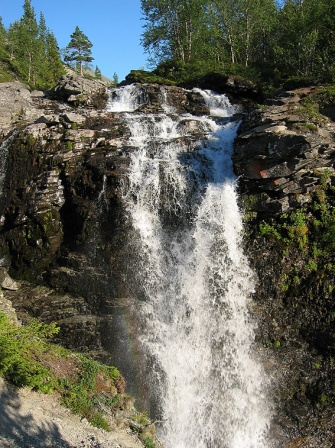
[{"x": 193, "y": 280}]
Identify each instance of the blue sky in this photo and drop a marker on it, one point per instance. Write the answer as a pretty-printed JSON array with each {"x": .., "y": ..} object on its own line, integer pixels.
[{"x": 113, "y": 26}]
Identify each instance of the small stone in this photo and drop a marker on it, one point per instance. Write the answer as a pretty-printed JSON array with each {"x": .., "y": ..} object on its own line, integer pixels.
[{"x": 7, "y": 282}]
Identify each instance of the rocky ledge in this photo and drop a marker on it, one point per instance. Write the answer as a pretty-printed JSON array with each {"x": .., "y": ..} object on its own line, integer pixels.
[{"x": 282, "y": 151}]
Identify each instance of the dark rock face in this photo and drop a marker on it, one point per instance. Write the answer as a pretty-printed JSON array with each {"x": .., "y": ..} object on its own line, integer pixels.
[
  {"x": 279, "y": 155},
  {"x": 59, "y": 211},
  {"x": 286, "y": 164}
]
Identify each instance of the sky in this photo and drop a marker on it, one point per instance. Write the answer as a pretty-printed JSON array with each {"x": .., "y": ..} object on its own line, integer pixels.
[{"x": 113, "y": 26}]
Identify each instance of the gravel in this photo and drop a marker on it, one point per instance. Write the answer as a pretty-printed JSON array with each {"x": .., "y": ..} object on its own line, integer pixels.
[{"x": 32, "y": 420}]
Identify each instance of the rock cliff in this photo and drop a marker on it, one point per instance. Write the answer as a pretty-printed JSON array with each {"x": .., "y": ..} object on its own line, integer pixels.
[
  {"x": 63, "y": 230},
  {"x": 285, "y": 159},
  {"x": 281, "y": 152},
  {"x": 62, "y": 223}
]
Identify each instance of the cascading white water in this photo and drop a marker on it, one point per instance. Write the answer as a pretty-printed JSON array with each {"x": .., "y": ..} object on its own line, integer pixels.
[{"x": 196, "y": 281}]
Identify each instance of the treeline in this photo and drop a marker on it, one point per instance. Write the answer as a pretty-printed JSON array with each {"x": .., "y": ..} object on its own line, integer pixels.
[
  {"x": 264, "y": 39},
  {"x": 29, "y": 49}
]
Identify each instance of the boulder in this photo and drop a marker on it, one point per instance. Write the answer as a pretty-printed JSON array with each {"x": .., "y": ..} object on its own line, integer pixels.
[
  {"x": 6, "y": 282},
  {"x": 15, "y": 99},
  {"x": 79, "y": 90}
]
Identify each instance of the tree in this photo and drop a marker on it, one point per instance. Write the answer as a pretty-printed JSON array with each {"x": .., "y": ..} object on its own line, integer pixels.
[
  {"x": 27, "y": 43},
  {"x": 13, "y": 39},
  {"x": 115, "y": 78},
  {"x": 55, "y": 67},
  {"x": 173, "y": 29},
  {"x": 2, "y": 38},
  {"x": 98, "y": 72},
  {"x": 79, "y": 49}
]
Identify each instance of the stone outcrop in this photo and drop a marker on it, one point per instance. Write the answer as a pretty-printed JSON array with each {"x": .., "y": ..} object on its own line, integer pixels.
[
  {"x": 79, "y": 91},
  {"x": 15, "y": 101},
  {"x": 280, "y": 155},
  {"x": 150, "y": 97}
]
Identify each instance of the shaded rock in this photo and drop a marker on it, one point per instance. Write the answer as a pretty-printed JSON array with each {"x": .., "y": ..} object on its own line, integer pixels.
[{"x": 6, "y": 307}]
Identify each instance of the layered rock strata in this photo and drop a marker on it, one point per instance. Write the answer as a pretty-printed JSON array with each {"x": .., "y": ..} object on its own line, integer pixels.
[{"x": 280, "y": 154}]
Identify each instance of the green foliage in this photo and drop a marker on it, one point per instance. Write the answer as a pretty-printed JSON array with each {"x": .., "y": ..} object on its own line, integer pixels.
[
  {"x": 148, "y": 442},
  {"x": 85, "y": 386},
  {"x": 267, "y": 229},
  {"x": 143, "y": 76},
  {"x": 98, "y": 72},
  {"x": 30, "y": 50},
  {"x": 278, "y": 40},
  {"x": 79, "y": 50},
  {"x": 306, "y": 234},
  {"x": 19, "y": 354}
]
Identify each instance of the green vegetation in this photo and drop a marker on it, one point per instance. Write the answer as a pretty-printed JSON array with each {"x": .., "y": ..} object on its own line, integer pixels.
[
  {"x": 307, "y": 234},
  {"x": 86, "y": 387},
  {"x": 29, "y": 51},
  {"x": 260, "y": 40},
  {"x": 78, "y": 50}
]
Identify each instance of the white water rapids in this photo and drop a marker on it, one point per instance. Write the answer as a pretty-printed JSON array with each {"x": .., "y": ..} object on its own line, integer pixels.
[{"x": 194, "y": 277}]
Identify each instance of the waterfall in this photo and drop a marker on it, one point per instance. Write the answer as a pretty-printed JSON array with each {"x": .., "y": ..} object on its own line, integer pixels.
[{"x": 191, "y": 280}]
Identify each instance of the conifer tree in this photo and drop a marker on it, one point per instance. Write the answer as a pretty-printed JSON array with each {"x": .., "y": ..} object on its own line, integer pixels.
[
  {"x": 115, "y": 78},
  {"x": 55, "y": 67},
  {"x": 27, "y": 43},
  {"x": 97, "y": 72},
  {"x": 13, "y": 40},
  {"x": 79, "y": 50},
  {"x": 2, "y": 39}
]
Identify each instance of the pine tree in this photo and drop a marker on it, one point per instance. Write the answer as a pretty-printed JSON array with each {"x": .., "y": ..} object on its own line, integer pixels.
[
  {"x": 28, "y": 43},
  {"x": 41, "y": 55},
  {"x": 2, "y": 39},
  {"x": 97, "y": 72},
  {"x": 115, "y": 78},
  {"x": 55, "y": 67},
  {"x": 13, "y": 40},
  {"x": 79, "y": 50}
]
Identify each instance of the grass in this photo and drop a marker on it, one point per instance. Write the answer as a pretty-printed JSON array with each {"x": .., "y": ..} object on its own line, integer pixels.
[{"x": 85, "y": 386}]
